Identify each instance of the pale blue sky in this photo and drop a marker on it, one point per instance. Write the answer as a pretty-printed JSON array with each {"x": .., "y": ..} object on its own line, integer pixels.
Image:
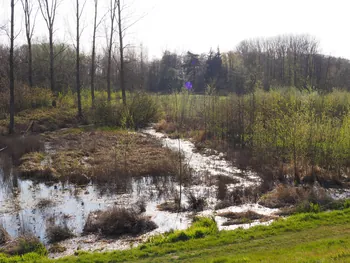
[{"x": 197, "y": 25}]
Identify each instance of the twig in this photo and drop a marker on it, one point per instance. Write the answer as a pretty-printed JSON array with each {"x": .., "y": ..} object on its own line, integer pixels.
[{"x": 3, "y": 149}]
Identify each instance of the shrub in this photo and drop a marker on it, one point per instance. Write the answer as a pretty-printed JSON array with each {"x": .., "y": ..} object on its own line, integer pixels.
[
  {"x": 143, "y": 109},
  {"x": 44, "y": 203},
  {"x": 347, "y": 204},
  {"x": 140, "y": 111},
  {"x": 23, "y": 245},
  {"x": 58, "y": 233},
  {"x": 118, "y": 221},
  {"x": 308, "y": 207},
  {"x": 196, "y": 203},
  {"x": 27, "y": 98}
]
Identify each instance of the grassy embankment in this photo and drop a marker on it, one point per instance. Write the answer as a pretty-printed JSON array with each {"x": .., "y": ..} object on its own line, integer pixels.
[{"x": 311, "y": 237}]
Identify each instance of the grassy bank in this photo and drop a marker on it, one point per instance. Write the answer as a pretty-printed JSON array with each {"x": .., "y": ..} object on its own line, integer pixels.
[{"x": 311, "y": 237}]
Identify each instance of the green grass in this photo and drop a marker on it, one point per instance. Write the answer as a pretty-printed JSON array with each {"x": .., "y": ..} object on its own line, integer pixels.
[{"x": 321, "y": 237}]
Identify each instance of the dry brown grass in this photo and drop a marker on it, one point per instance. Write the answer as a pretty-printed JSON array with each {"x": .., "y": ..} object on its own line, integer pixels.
[
  {"x": 286, "y": 195},
  {"x": 248, "y": 214},
  {"x": 56, "y": 248},
  {"x": 240, "y": 218},
  {"x": 167, "y": 127},
  {"x": 118, "y": 221},
  {"x": 57, "y": 233},
  {"x": 22, "y": 245},
  {"x": 17, "y": 146},
  {"x": 101, "y": 156},
  {"x": 4, "y": 236},
  {"x": 171, "y": 206},
  {"x": 195, "y": 202},
  {"x": 43, "y": 203},
  {"x": 32, "y": 167}
]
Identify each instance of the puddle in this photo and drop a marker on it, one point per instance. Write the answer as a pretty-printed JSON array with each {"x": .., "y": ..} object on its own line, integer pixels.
[{"x": 71, "y": 204}]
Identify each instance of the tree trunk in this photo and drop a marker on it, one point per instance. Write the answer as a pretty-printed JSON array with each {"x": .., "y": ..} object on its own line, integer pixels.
[
  {"x": 110, "y": 50},
  {"x": 12, "y": 76},
  {"x": 93, "y": 56},
  {"x": 121, "y": 51},
  {"x": 30, "y": 63},
  {"x": 52, "y": 70},
  {"x": 80, "y": 114}
]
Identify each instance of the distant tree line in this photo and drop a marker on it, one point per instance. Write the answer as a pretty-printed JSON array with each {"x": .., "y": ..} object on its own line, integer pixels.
[{"x": 259, "y": 63}]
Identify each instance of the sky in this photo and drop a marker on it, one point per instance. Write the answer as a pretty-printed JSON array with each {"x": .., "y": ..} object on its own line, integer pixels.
[{"x": 198, "y": 25}]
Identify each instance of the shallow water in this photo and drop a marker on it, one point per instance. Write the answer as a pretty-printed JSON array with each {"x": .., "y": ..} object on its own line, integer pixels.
[
  {"x": 71, "y": 205},
  {"x": 212, "y": 164}
]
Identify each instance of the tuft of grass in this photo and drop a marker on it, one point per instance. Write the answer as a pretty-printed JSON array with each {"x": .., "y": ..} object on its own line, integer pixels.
[
  {"x": 196, "y": 202},
  {"x": 171, "y": 206},
  {"x": 23, "y": 245},
  {"x": 285, "y": 195},
  {"x": 43, "y": 203},
  {"x": 56, "y": 248},
  {"x": 118, "y": 221},
  {"x": 57, "y": 233},
  {"x": 240, "y": 218}
]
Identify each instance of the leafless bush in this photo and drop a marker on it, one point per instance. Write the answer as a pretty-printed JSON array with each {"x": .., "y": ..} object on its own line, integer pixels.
[
  {"x": 195, "y": 202},
  {"x": 44, "y": 203},
  {"x": 285, "y": 195},
  {"x": 239, "y": 196},
  {"x": 57, "y": 233},
  {"x": 141, "y": 206},
  {"x": 118, "y": 221}
]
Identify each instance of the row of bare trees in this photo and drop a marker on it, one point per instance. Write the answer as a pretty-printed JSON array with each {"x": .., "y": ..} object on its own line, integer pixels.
[
  {"x": 48, "y": 10},
  {"x": 260, "y": 63}
]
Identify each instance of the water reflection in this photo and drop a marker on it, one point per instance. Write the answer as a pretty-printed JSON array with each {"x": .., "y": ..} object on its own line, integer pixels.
[{"x": 71, "y": 205}]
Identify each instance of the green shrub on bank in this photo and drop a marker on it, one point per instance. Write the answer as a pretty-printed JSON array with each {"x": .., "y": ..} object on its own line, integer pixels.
[
  {"x": 310, "y": 132},
  {"x": 141, "y": 109}
]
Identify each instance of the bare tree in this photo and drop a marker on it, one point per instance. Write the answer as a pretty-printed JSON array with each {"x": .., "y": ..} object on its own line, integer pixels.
[
  {"x": 49, "y": 11},
  {"x": 112, "y": 13},
  {"x": 123, "y": 26},
  {"x": 12, "y": 76},
  {"x": 121, "y": 52},
  {"x": 93, "y": 55},
  {"x": 78, "y": 35},
  {"x": 28, "y": 9}
]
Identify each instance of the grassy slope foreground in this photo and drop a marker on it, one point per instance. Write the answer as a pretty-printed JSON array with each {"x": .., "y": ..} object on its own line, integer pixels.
[{"x": 312, "y": 237}]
